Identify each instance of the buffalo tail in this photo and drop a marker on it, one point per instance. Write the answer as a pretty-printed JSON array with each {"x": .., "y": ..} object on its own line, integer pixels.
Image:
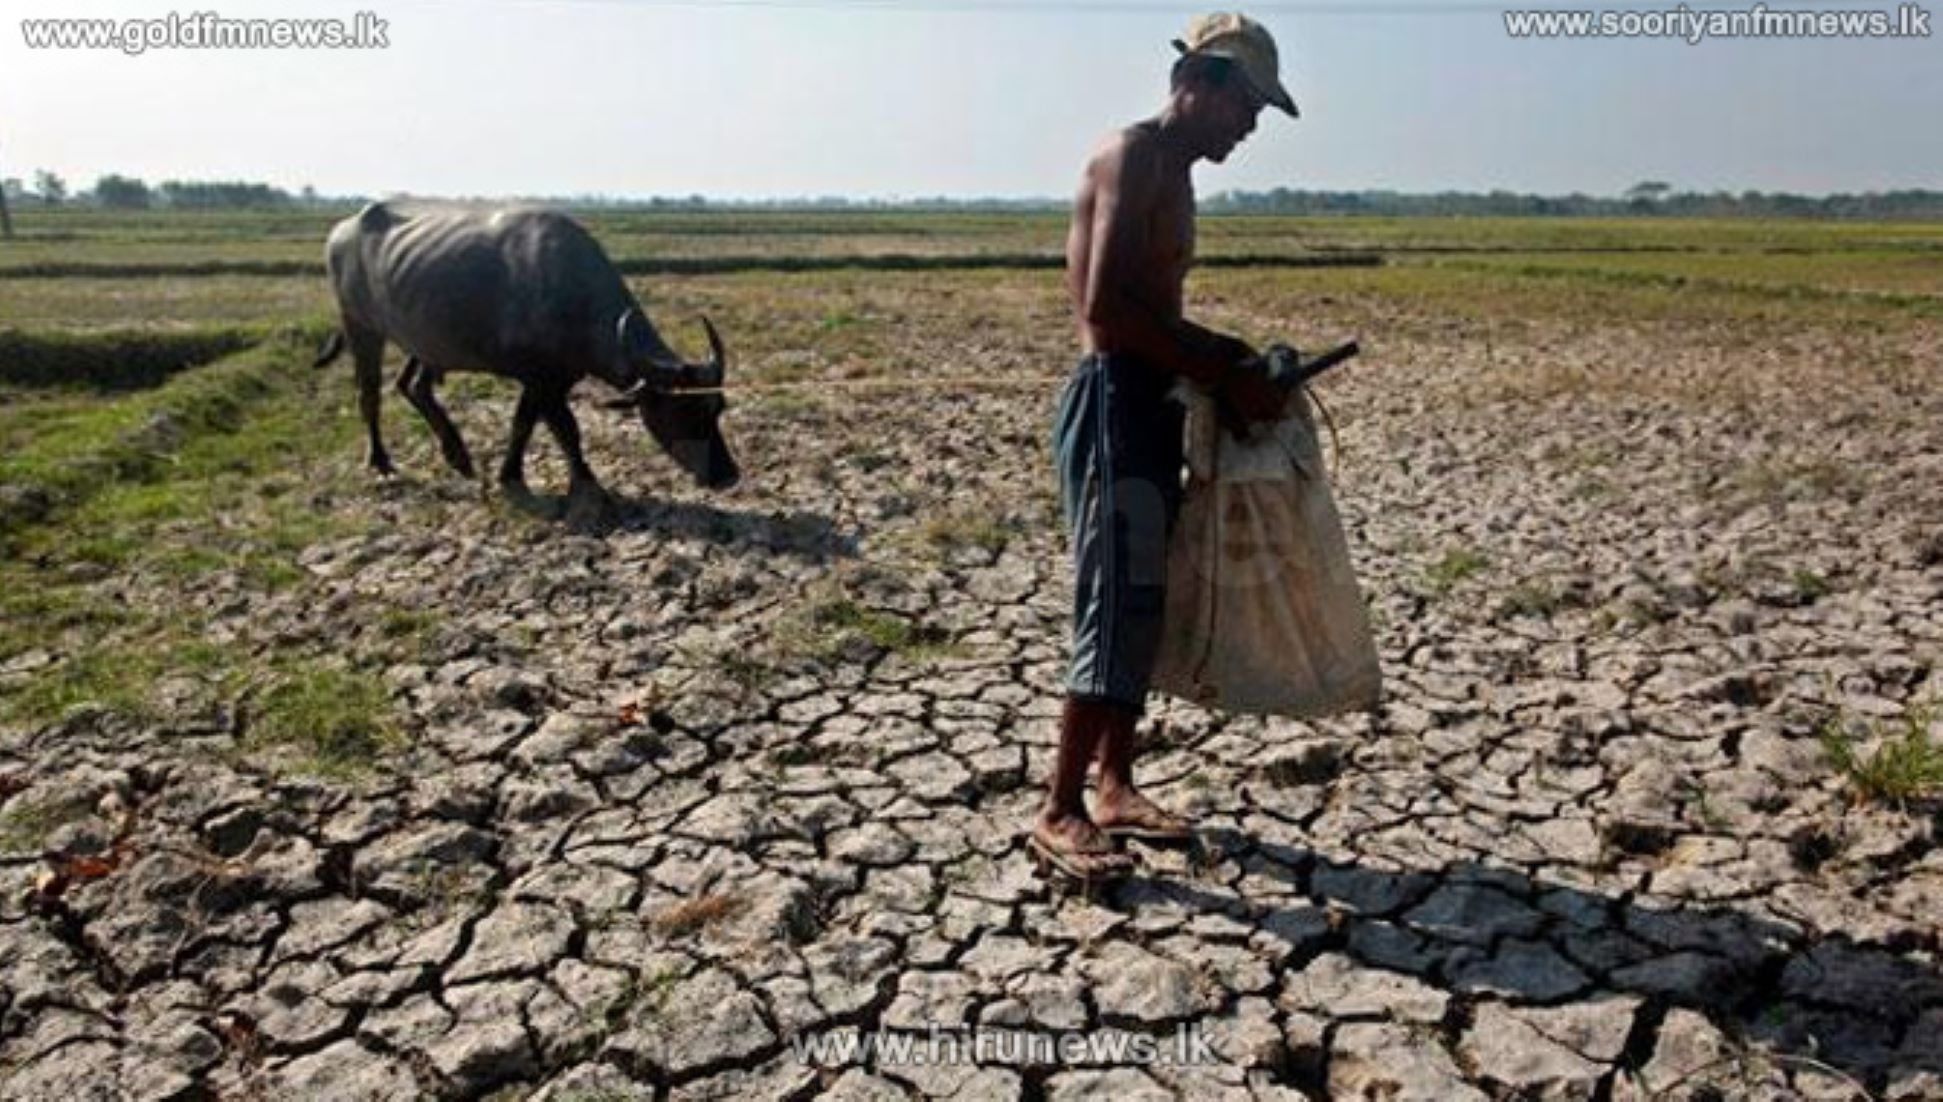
[{"x": 332, "y": 349}]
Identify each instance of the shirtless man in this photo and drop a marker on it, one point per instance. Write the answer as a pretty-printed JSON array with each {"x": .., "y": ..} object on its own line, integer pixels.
[{"x": 1118, "y": 438}]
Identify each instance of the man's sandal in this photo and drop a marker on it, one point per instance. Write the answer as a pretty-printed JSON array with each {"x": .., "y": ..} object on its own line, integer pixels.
[
  {"x": 1180, "y": 836},
  {"x": 1171, "y": 830},
  {"x": 1080, "y": 865}
]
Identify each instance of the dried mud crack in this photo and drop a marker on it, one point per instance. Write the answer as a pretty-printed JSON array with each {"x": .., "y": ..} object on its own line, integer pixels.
[{"x": 754, "y": 768}]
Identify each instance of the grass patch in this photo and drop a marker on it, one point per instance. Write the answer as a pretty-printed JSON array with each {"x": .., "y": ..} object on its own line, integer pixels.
[
  {"x": 26, "y": 825},
  {"x": 792, "y": 755},
  {"x": 118, "y": 676},
  {"x": 1809, "y": 586},
  {"x": 1591, "y": 488},
  {"x": 48, "y": 613},
  {"x": 1530, "y": 599},
  {"x": 209, "y": 484},
  {"x": 1778, "y": 482},
  {"x": 838, "y": 319},
  {"x": 114, "y": 359},
  {"x": 1906, "y": 765},
  {"x": 57, "y": 459},
  {"x": 1456, "y": 565},
  {"x": 824, "y": 627},
  {"x": 831, "y": 624},
  {"x": 335, "y": 723},
  {"x": 948, "y": 532},
  {"x": 406, "y": 624},
  {"x": 646, "y": 999},
  {"x": 884, "y": 629},
  {"x": 744, "y": 670}
]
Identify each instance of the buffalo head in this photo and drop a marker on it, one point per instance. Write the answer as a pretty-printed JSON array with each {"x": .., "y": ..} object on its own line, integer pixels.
[{"x": 680, "y": 403}]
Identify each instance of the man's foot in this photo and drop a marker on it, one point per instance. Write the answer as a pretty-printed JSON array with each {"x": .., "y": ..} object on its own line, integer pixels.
[
  {"x": 1077, "y": 848},
  {"x": 1122, "y": 812}
]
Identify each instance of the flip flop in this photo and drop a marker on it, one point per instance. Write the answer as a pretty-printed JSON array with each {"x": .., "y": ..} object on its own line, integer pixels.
[
  {"x": 1153, "y": 836},
  {"x": 1087, "y": 868},
  {"x": 1181, "y": 834}
]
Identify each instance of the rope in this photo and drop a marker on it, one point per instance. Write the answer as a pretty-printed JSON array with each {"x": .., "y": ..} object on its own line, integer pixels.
[
  {"x": 1329, "y": 420},
  {"x": 945, "y": 383},
  {"x": 968, "y": 382}
]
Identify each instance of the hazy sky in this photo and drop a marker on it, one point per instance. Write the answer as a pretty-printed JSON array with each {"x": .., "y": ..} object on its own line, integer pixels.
[{"x": 952, "y": 97}]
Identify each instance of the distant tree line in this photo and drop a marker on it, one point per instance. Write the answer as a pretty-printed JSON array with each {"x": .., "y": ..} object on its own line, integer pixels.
[
  {"x": 128, "y": 193},
  {"x": 1648, "y": 198},
  {"x": 117, "y": 192}
]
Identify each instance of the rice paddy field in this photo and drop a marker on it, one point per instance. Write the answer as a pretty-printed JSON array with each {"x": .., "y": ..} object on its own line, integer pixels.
[{"x": 320, "y": 785}]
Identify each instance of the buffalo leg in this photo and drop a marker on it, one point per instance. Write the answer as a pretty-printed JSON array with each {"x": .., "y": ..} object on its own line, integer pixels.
[
  {"x": 588, "y": 506},
  {"x": 559, "y": 417},
  {"x": 512, "y": 469},
  {"x": 368, "y": 352},
  {"x": 416, "y": 383}
]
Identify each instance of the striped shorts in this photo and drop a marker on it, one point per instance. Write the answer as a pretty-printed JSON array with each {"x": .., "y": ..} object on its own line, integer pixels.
[{"x": 1117, "y": 442}]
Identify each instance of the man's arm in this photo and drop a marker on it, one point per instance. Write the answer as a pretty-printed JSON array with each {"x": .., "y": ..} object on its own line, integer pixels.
[{"x": 1125, "y": 186}]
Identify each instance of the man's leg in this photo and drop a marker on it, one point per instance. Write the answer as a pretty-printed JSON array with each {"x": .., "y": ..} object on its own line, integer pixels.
[
  {"x": 1119, "y": 807},
  {"x": 1145, "y": 499},
  {"x": 1062, "y": 827}
]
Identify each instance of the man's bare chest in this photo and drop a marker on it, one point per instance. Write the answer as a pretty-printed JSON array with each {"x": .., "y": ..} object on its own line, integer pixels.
[{"x": 1172, "y": 234}]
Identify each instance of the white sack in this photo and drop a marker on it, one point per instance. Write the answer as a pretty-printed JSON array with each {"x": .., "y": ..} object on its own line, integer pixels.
[{"x": 1263, "y": 612}]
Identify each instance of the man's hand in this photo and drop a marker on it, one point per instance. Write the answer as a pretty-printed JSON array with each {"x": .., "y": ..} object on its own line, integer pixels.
[
  {"x": 1230, "y": 350},
  {"x": 1247, "y": 392}
]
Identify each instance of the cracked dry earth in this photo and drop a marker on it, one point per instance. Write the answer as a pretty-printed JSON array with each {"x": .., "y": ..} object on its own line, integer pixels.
[{"x": 660, "y": 815}]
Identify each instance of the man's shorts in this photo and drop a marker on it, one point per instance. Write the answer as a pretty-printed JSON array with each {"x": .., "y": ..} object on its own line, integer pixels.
[{"x": 1119, "y": 450}]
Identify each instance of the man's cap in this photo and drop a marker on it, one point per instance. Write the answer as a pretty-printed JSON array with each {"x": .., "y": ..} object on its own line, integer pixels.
[{"x": 1248, "y": 45}]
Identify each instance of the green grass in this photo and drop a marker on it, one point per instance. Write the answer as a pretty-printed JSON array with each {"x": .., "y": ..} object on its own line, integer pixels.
[
  {"x": 947, "y": 532},
  {"x": 57, "y": 458},
  {"x": 1457, "y": 564},
  {"x": 116, "y": 674},
  {"x": 887, "y": 630},
  {"x": 25, "y": 824},
  {"x": 38, "y": 612},
  {"x": 822, "y": 626},
  {"x": 1530, "y": 599},
  {"x": 334, "y": 723},
  {"x": 1778, "y": 481},
  {"x": 1906, "y": 765},
  {"x": 406, "y": 624},
  {"x": 204, "y": 480},
  {"x": 118, "y": 359},
  {"x": 1810, "y": 586},
  {"x": 297, "y": 235},
  {"x": 266, "y": 266}
]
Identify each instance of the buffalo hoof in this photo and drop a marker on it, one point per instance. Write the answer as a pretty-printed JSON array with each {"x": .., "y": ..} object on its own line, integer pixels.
[
  {"x": 592, "y": 511},
  {"x": 462, "y": 464},
  {"x": 521, "y": 499},
  {"x": 380, "y": 464}
]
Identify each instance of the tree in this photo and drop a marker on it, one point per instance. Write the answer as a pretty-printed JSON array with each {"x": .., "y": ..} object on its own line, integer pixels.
[
  {"x": 1648, "y": 190},
  {"x": 53, "y": 189},
  {"x": 121, "y": 192},
  {"x": 6, "y": 219}
]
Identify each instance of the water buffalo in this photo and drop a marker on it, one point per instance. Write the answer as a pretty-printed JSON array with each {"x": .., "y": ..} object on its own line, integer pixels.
[{"x": 524, "y": 294}]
